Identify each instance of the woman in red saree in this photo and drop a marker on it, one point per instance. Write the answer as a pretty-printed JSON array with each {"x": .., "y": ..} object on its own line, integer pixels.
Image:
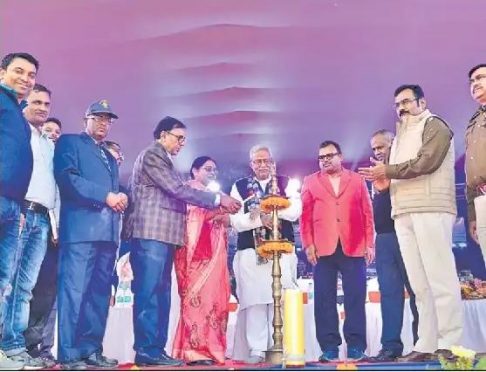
[{"x": 203, "y": 279}]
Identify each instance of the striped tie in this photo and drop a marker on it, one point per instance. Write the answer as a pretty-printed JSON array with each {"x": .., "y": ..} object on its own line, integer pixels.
[{"x": 103, "y": 155}]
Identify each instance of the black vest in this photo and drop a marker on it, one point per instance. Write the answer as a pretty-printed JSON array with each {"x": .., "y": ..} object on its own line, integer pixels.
[
  {"x": 245, "y": 238},
  {"x": 382, "y": 213}
]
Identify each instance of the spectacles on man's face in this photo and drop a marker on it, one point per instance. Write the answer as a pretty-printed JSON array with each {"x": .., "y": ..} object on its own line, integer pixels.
[
  {"x": 327, "y": 156},
  {"x": 261, "y": 161},
  {"x": 404, "y": 102},
  {"x": 102, "y": 119},
  {"x": 477, "y": 78},
  {"x": 180, "y": 138}
]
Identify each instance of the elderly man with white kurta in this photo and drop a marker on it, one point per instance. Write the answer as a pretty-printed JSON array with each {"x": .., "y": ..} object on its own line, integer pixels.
[
  {"x": 422, "y": 189},
  {"x": 253, "y": 273}
]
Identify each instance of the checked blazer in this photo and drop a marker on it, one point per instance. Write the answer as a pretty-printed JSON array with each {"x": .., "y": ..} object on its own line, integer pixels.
[{"x": 158, "y": 199}]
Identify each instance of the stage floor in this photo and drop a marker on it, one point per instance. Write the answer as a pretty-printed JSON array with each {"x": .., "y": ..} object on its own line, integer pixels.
[{"x": 313, "y": 366}]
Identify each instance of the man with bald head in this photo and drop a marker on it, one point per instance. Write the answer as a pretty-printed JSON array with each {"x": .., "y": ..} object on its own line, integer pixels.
[{"x": 392, "y": 276}]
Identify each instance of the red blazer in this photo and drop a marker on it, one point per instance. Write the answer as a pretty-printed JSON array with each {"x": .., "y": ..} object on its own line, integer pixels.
[{"x": 327, "y": 217}]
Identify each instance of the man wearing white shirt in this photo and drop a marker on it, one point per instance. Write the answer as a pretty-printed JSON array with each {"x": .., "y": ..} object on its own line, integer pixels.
[
  {"x": 39, "y": 335},
  {"x": 40, "y": 199},
  {"x": 253, "y": 273}
]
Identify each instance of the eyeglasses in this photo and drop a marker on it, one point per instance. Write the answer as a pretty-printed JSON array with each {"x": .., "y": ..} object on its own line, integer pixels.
[
  {"x": 180, "y": 138},
  {"x": 262, "y": 161},
  {"x": 404, "y": 102},
  {"x": 211, "y": 169},
  {"x": 102, "y": 119},
  {"x": 328, "y": 156},
  {"x": 477, "y": 78}
]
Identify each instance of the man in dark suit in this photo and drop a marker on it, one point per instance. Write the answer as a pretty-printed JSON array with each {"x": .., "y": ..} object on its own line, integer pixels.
[
  {"x": 87, "y": 176},
  {"x": 156, "y": 223}
]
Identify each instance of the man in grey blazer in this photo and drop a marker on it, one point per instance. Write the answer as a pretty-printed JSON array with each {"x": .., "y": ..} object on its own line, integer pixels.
[{"x": 156, "y": 224}]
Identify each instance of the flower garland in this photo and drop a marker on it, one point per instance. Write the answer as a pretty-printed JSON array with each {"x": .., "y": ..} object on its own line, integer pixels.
[
  {"x": 255, "y": 194},
  {"x": 464, "y": 360}
]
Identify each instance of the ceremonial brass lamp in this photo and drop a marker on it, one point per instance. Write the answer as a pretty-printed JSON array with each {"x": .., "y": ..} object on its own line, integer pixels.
[{"x": 272, "y": 249}]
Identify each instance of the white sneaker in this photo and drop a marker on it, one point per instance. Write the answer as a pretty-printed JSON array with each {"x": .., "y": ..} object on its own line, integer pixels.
[
  {"x": 27, "y": 361},
  {"x": 7, "y": 364}
]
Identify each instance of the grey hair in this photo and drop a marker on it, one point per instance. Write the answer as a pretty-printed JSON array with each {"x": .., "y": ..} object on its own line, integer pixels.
[
  {"x": 384, "y": 132},
  {"x": 259, "y": 147}
]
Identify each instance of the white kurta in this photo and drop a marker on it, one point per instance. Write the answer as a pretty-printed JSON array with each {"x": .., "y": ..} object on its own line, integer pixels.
[{"x": 254, "y": 282}]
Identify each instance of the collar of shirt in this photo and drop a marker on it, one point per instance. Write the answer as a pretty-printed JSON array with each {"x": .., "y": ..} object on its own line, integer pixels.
[
  {"x": 264, "y": 183},
  {"x": 34, "y": 130},
  {"x": 12, "y": 92},
  {"x": 95, "y": 141},
  {"x": 37, "y": 133},
  {"x": 169, "y": 155}
]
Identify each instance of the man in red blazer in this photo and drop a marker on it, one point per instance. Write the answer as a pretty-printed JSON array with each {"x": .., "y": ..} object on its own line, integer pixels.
[{"x": 337, "y": 234}]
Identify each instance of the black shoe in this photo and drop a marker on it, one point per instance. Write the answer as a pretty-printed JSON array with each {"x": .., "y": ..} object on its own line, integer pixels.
[
  {"x": 384, "y": 356},
  {"x": 76, "y": 365},
  {"x": 145, "y": 360},
  {"x": 416, "y": 357},
  {"x": 100, "y": 361},
  {"x": 202, "y": 362},
  {"x": 48, "y": 362},
  {"x": 444, "y": 353}
]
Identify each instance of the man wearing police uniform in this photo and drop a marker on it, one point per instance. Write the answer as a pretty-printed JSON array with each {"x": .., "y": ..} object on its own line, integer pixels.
[{"x": 475, "y": 165}]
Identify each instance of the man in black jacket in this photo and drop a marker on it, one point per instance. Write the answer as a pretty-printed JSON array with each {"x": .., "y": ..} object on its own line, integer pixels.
[
  {"x": 17, "y": 78},
  {"x": 392, "y": 276}
]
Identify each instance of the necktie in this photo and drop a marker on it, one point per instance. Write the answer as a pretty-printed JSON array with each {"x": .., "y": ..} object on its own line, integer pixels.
[{"x": 103, "y": 156}]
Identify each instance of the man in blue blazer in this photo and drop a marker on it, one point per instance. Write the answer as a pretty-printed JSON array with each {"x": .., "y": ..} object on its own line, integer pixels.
[{"x": 87, "y": 176}]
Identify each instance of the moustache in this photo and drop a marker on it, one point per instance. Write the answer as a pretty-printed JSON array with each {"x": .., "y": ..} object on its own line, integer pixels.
[{"x": 402, "y": 112}]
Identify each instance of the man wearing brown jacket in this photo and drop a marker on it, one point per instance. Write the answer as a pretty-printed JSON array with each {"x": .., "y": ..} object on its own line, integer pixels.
[
  {"x": 156, "y": 224},
  {"x": 420, "y": 174},
  {"x": 475, "y": 165}
]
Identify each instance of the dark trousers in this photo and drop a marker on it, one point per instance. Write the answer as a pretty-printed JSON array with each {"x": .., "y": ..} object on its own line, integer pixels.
[
  {"x": 41, "y": 305},
  {"x": 84, "y": 290},
  {"x": 353, "y": 273},
  {"x": 151, "y": 262},
  {"x": 392, "y": 278}
]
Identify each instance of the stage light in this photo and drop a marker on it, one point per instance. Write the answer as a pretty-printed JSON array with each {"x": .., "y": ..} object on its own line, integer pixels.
[{"x": 214, "y": 186}]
